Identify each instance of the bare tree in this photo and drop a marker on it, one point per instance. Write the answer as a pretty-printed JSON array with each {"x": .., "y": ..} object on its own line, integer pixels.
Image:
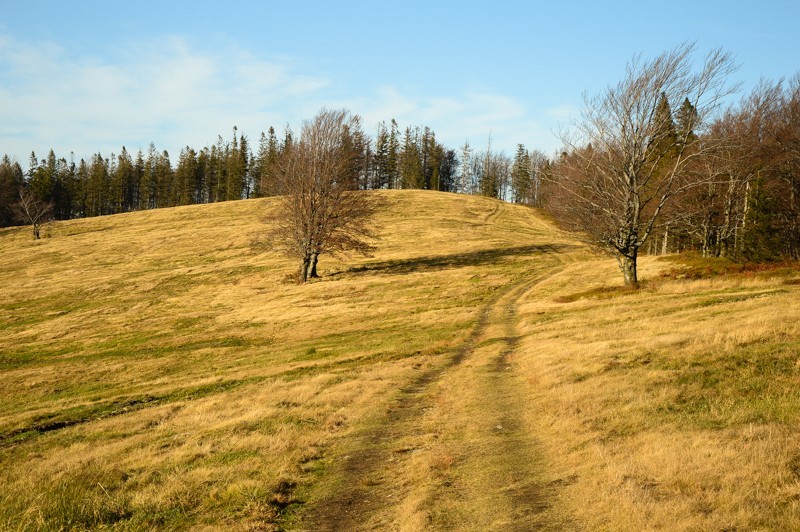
[
  {"x": 32, "y": 210},
  {"x": 321, "y": 209},
  {"x": 738, "y": 159},
  {"x": 626, "y": 158}
]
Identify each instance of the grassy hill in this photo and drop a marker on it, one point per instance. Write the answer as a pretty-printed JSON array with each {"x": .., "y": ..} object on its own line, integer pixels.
[{"x": 158, "y": 370}]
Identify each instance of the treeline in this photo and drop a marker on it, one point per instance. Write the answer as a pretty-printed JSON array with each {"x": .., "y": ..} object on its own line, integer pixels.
[
  {"x": 747, "y": 206},
  {"x": 232, "y": 170},
  {"x": 126, "y": 182},
  {"x": 735, "y": 193}
]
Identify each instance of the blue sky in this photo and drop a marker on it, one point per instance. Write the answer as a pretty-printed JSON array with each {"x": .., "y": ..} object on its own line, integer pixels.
[{"x": 89, "y": 76}]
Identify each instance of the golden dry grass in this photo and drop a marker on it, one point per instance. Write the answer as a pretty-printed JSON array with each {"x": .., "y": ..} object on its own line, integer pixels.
[
  {"x": 157, "y": 371},
  {"x": 672, "y": 408}
]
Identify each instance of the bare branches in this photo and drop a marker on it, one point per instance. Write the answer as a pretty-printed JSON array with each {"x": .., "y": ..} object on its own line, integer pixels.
[
  {"x": 626, "y": 158},
  {"x": 32, "y": 210},
  {"x": 322, "y": 210}
]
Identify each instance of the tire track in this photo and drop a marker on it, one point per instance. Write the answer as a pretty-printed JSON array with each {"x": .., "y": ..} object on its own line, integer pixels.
[
  {"x": 499, "y": 481},
  {"x": 365, "y": 488},
  {"x": 517, "y": 457}
]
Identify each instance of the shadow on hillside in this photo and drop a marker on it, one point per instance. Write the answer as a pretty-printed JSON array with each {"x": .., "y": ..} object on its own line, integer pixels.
[{"x": 456, "y": 260}]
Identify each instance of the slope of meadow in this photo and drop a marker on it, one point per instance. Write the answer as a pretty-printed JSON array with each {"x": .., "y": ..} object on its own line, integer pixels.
[{"x": 158, "y": 370}]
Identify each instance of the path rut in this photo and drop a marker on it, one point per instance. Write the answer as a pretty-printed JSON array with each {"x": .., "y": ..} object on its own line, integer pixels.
[{"x": 495, "y": 481}]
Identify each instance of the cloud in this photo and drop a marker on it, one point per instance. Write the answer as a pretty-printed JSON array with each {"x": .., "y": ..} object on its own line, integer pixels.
[
  {"x": 563, "y": 112},
  {"x": 176, "y": 93},
  {"x": 163, "y": 90},
  {"x": 466, "y": 117}
]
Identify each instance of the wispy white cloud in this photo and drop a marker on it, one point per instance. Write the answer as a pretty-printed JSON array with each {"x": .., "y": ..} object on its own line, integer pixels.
[
  {"x": 175, "y": 93},
  {"x": 163, "y": 90},
  {"x": 564, "y": 112},
  {"x": 470, "y": 116}
]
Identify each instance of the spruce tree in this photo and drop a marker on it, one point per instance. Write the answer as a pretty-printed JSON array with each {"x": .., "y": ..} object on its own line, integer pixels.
[
  {"x": 136, "y": 185},
  {"x": 762, "y": 240},
  {"x": 11, "y": 181},
  {"x": 686, "y": 119},
  {"x": 521, "y": 178},
  {"x": 381, "y": 158}
]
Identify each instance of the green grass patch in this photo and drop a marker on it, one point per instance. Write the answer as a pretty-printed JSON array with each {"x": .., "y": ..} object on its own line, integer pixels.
[
  {"x": 692, "y": 265},
  {"x": 602, "y": 292},
  {"x": 68, "y": 417},
  {"x": 758, "y": 383}
]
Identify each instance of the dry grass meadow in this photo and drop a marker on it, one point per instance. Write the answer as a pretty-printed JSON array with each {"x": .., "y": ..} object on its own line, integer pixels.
[{"x": 480, "y": 372}]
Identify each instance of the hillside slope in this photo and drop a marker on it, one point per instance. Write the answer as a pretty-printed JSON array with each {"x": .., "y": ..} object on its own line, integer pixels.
[
  {"x": 158, "y": 370},
  {"x": 481, "y": 372}
]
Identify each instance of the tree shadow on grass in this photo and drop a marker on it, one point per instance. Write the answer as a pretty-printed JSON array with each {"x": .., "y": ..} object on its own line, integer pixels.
[{"x": 456, "y": 260}]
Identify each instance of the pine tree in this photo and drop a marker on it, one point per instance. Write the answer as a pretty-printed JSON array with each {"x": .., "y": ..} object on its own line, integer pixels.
[
  {"x": 269, "y": 181},
  {"x": 41, "y": 176},
  {"x": 203, "y": 175},
  {"x": 150, "y": 179},
  {"x": 62, "y": 202},
  {"x": 521, "y": 178},
  {"x": 126, "y": 180},
  {"x": 186, "y": 177},
  {"x": 410, "y": 160},
  {"x": 664, "y": 141},
  {"x": 97, "y": 186},
  {"x": 259, "y": 162},
  {"x": 490, "y": 179},
  {"x": 11, "y": 181},
  {"x": 165, "y": 178},
  {"x": 81, "y": 189},
  {"x": 762, "y": 240},
  {"x": 137, "y": 185},
  {"x": 447, "y": 169},
  {"x": 381, "y": 176},
  {"x": 246, "y": 161},
  {"x": 686, "y": 119}
]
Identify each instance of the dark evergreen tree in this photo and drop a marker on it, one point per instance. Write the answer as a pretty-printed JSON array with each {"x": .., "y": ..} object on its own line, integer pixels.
[
  {"x": 762, "y": 240},
  {"x": 139, "y": 169},
  {"x": 11, "y": 181},
  {"x": 259, "y": 166},
  {"x": 187, "y": 177},
  {"x": 521, "y": 177},
  {"x": 411, "y": 175},
  {"x": 448, "y": 166},
  {"x": 686, "y": 120},
  {"x": 97, "y": 186},
  {"x": 80, "y": 191},
  {"x": 381, "y": 173}
]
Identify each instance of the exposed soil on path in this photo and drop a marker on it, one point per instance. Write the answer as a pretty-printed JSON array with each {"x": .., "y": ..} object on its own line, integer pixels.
[
  {"x": 389, "y": 472},
  {"x": 364, "y": 488}
]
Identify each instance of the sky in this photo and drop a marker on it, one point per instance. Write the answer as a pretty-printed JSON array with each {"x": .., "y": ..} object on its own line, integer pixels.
[{"x": 93, "y": 76}]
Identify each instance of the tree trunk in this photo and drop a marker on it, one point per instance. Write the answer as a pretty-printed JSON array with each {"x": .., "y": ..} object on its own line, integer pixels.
[
  {"x": 303, "y": 276},
  {"x": 627, "y": 263},
  {"x": 314, "y": 258},
  {"x": 664, "y": 247}
]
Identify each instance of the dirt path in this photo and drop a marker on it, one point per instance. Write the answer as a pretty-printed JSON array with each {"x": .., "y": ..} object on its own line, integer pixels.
[
  {"x": 365, "y": 484},
  {"x": 452, "y": 451}
]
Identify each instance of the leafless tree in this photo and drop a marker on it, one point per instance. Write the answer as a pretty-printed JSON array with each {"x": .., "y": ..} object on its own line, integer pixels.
[
  {"x": 32, "y": 210},
  {"x": 740, "y": 155},
  {"x": 321, "y": 209},
  {"x": 625, "y": 159}
]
